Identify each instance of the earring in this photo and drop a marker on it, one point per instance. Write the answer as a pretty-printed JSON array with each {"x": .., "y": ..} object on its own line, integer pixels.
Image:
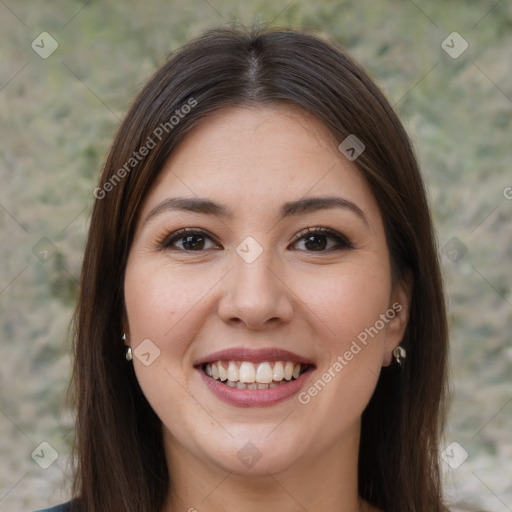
[
  {"x": 129, "y": 355},
  {"x": 399, "y": 354}
]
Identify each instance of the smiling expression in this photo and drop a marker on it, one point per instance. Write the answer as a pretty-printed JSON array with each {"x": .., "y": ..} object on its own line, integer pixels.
[{"x": 283, "y": 264}]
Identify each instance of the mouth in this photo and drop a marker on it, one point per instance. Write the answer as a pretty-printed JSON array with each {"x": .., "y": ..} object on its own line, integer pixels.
[
  {"x": 248, "y": 375},
  {"x": 254, "y": 378}
]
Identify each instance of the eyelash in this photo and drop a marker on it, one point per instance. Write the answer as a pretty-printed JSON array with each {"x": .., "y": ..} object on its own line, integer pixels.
[{"x": 343, "y": 243}]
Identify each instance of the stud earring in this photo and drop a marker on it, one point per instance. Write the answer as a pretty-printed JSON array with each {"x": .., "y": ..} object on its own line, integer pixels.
[
  {"x": 129, "y": 355},
  {"x": 399, "y": 354}
]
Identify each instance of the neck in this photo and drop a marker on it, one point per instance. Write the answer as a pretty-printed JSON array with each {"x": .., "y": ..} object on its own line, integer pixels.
[{"x": 323, "y": 481}]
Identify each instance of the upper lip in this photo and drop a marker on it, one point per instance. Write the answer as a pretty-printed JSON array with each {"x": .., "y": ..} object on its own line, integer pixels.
[{"x": 253, "y": 356}]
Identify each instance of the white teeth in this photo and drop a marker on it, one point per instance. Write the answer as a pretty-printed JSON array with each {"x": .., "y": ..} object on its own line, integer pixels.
[
  {"x": 246, "y": 375},
  {"x": 264, "y": 373},
  {"x": 278, "y": 373},
  {"x": 223, "y": 373},
  {"x": 288, "y": 371},
  {"x": 233, "y": 373},
  {"x": 247, "y": 372}
]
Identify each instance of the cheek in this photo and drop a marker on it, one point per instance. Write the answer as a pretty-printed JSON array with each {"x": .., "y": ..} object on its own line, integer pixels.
[
  {"x": 164, "y": 306},
  {"x": 160, "y": 303},
  {"x": 349, "y": 304},
  {"x": 352, "y": 341}
]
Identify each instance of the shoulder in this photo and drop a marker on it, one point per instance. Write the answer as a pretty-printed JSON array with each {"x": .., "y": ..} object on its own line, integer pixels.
[{"x": 63, "y": 507}]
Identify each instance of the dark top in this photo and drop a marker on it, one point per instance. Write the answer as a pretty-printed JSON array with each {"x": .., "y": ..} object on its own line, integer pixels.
[{"x": 63, "y": 507}]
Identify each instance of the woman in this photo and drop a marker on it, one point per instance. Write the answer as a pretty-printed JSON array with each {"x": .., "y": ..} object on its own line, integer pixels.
[{"x": 261, "y": 321}]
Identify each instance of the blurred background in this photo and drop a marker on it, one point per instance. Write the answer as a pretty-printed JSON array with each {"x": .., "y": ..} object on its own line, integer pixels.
[{"x": 68, "y": 70}]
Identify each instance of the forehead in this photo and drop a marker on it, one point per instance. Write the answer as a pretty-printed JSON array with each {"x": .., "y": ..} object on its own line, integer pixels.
[{"x": 256, "y": 158}]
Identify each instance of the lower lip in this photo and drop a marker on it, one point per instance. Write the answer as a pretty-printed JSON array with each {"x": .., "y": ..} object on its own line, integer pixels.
[{"x": 255, "y": 397}]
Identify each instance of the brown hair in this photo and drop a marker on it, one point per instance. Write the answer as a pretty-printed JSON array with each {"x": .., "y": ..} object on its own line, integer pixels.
[{"x": 119, "y": 452}]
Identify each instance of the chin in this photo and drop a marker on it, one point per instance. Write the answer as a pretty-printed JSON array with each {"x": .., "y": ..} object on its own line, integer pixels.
[
  {"x": 255, "y": 462},
  {"x": 252, "y": 454}
]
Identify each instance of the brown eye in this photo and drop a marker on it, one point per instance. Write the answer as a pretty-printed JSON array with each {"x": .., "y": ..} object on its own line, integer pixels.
[
  {"x": 189, "y": 240},
  {"x": 316, "y": 240}
]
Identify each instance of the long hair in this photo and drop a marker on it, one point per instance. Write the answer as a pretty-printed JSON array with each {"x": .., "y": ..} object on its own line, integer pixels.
[{"x": 119, "y": 455}]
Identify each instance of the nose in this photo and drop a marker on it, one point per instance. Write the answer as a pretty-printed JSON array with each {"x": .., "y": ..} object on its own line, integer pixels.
[{"x": 256, "y": 294}]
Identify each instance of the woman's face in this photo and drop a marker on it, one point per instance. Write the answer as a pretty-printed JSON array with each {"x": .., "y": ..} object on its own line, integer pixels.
[{"x": 253, "y": 299}]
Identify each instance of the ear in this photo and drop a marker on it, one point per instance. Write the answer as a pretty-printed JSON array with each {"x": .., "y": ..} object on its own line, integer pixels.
[{"x": 399, "y": 306}]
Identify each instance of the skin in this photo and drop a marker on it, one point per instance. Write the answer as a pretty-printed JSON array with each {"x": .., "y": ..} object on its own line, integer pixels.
[{"x": 295, "y": 296}]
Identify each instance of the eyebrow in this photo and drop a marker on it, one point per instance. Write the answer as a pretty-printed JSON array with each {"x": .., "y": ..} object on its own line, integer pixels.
[{"x": 291, "y": 208}]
